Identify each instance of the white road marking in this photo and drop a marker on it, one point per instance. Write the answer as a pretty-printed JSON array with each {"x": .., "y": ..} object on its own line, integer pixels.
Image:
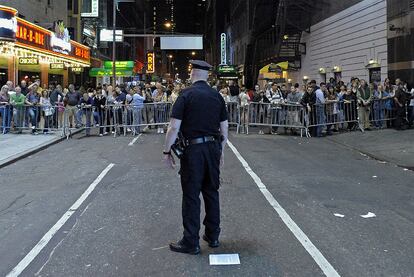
[
  {"x": 134, "y": 140},
  {"x": 18, "y": 269},
  {"x": 224, "y": 259},
  {"x": 317, "y": 256},
  {"x": 339, "y": 215}
]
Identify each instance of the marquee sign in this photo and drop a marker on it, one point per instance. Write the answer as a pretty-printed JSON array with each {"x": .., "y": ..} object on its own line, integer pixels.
[
  {"x": 57, "y": 66},
  {"x": 33, "y": 37}
]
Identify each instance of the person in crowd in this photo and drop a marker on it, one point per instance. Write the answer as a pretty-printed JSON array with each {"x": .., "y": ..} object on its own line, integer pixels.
[
  {"x": 160, "y": 111},
  {"x": 56, "y": 98},
  {"x": 331, "y": 108},
  {"x": 320, "y": 108},
  {"x": 109, "y": 109},
  {"x": 137, "y": 106},
  {"x": 120, "y": 101},
  {"x": 284, "y": 91},
  {"x": 71, "y": 101},
  {"x": 175, "y": 93},
  {"x": 10, "y": 85},
  {"x": 32, "y": 100},
  {"x": 47, "y": 109},
  {"x": 244, "y": 107},
  {"x": 85, "y": 104},
  {"x": 378, "y": 105},
  {"x": 224, "y": 93},
  {"x": 99, "y": 102},
  {"x": 364, "y": 97},
  {"x": 410, "y": 109},
  {"x": 308, "y": 101},
  {"x": 234, "y": 91},
  {"x": 293, "y": 113},
  {"x": 18, "y": 100},
  {"x": 5, "y": 110},
  {"x": 350, "y": 108},
  {"x": 341, "y": 114},
  {"x": 276, "y": 98},
  {"x": 400, "y": 99},
  {"x": 24, "y": 88},
  {"x": 261, "y": 108}
]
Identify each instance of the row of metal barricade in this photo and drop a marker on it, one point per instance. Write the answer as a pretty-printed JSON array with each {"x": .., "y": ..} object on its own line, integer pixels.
[
  {"x": 64, "y": 120},
  {"x": 124, "y": 119},
  {"x": 301, "y": 119}
]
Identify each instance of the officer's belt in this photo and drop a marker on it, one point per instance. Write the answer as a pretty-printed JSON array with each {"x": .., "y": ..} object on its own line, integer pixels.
[{"x": 201, "y": 140}]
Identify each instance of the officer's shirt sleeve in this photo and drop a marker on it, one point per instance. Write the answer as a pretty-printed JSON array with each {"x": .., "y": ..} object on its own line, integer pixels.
[
  {"x": 178, "y": 108},
  {"x": 223, "y": 111}
]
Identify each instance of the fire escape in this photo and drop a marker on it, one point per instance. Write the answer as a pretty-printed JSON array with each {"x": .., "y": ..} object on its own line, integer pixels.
[{"x": 277, "y": 39}]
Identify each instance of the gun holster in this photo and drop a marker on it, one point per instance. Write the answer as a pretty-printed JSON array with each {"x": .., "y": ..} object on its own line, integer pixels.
[{"x": 179, "y": 146}]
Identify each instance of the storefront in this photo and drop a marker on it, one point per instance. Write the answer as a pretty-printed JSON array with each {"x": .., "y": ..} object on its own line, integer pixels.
[
  {"x": 124, "y": 72},
  {"x": 30, "y": 52}
]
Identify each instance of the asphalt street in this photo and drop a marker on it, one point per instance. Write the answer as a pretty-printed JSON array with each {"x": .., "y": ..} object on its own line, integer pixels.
[{"x": 123, "y": 228}]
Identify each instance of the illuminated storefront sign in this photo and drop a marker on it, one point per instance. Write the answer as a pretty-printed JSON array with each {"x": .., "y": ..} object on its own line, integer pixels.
[
  {"x": 150, "y": 62},
  {"x": 77, "y": 69},
  {"x": 223, "y": 48},
  {"x": 40, "y": 42},
  {"x": 57, "y": 66},
  {"x": 119, "y": 64},
  {"x": 8, "y": 23},
  {"x": 101, "y": 72},
  {"x": 28, "y": 61}
]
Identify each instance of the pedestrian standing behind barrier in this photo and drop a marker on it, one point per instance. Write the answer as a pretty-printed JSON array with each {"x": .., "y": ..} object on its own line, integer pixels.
[
  {"x": 85, "y": 104},
  {"x": 32, "y": 112},
  {"x": 47, "y": 109},
  {"x": 332, "y": 110},
  {"x": 99, "y": 102},
  {"x": 350, "y": 110},
  {"x": 400, "y": 100},
  {"x": 308, "y": 102},
  {"x": 364, "y": 96},
  {"x": 5, "y": 110},
  {"x": 137, "y": 106}
]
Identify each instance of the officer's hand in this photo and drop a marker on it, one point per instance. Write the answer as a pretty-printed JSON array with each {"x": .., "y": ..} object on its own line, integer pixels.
[
  {"x": 222, "y": 159},
  {"x": 169, "y": 161}
]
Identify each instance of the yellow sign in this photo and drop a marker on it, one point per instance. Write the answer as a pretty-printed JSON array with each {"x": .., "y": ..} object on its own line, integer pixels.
[
  {"x": 150, "y": 62},
  {"x": 57, "y": 66},
  {"x": 28, "y": 61}
]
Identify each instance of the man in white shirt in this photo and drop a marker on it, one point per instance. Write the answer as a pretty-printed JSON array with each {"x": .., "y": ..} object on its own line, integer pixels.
[{"x": 320, "y": 109}]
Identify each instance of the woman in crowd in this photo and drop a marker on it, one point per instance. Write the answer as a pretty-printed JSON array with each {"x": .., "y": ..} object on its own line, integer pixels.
[
  {"x": 331, "y": 109},
  {"x": 47, "y": 110},
  {"x": 5, "y": 110},
  {"x": 109, "y": 110},
  {"x": 99, "y": 102},
  {"x": 350, "y": 109}
]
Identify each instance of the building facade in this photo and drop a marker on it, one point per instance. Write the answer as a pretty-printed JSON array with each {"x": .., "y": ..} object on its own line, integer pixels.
[{"x": 350, "y": 43}]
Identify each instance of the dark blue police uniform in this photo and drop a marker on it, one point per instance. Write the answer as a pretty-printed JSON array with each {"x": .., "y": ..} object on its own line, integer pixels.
[{"x": 201, "y": 109}]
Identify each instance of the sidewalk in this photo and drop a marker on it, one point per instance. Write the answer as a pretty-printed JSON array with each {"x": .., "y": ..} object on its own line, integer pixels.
[
  {"x": 386, "y": 145},
  {"x": 14, "y": 147}
]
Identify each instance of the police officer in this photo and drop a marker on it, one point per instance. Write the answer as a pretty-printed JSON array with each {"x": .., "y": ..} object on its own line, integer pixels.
[{"x": 201, "y": 116}]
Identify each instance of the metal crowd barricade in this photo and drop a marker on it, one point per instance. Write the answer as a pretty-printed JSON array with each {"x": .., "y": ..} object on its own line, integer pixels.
[
  {"x": 233, "y": 113},
  {"x": 331, "y": 115},
  {"x": 289, "y": 116},
  {"x": 382, "y": 113}
]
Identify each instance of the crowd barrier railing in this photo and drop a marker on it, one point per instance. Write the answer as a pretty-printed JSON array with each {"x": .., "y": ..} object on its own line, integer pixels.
[
  {"x": 234, "y": 114},
  {"x": 289, "y": 116}
]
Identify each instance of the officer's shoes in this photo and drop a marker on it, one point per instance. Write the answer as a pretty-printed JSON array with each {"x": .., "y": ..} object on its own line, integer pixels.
[
  {"x": 182, "y": 248},
  {"x": 211, "y": 243}
]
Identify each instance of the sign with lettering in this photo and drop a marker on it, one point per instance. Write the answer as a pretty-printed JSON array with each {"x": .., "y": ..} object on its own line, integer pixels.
[
  {"x": 100, "y": 72},
  {"x": 91, "y": 10},
  {"x": 76, "y": 69},
  {"x": 119, "y": 64},
  {"x": 28, "y": 61},
  {"x": 150, "y": 62},
  {"x": 8, "y": 23},
  {"x": 223, "y": 38},
  {"x": 57, "y": 66}
]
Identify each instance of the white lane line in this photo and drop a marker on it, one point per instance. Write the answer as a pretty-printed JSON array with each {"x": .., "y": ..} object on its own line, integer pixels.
[
  {"x": 134, "y": 140},
  {"x": 49, "y": 235},
  {"x": 317, "y": 256}
]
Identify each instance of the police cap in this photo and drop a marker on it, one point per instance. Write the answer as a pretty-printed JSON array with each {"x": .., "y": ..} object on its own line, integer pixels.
[{"x": 202, "y": 65}]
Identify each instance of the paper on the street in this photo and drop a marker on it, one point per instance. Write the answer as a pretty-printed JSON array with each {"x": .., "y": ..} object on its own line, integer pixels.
[
  {"x": 339, "y": 215},
  {"x": 368, "y": 215},
  {"x": 224, "y": 259}
]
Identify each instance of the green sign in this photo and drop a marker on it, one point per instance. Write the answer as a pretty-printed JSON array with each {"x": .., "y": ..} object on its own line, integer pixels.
[
  {"x": 227, "y": 69},
  {"x": 119, "y": 64},
  {"x": 100, "y": 72}
]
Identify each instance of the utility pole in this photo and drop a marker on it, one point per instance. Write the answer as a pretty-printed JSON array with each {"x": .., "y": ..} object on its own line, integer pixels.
[{"x": 114, "y": 44}]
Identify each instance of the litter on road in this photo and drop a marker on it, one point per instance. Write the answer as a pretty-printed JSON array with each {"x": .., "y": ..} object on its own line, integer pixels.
[
  {"x": 224, "y": 259},
  {"x": 368, "y": 215}
]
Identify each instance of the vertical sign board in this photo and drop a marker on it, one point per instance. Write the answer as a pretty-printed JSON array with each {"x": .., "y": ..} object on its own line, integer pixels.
[
  {"x": 223, "y": 48},
  {"x": 150, "y": 62},
  {"x": 94, "y": 9}
]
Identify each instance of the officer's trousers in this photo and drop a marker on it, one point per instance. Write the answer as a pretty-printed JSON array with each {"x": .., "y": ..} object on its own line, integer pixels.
[{"x": 200, "y": 172}]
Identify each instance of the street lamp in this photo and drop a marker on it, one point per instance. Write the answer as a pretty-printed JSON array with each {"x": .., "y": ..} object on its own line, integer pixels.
[
  {"x": 168, "y": 24},
  {"x": 170, "y": 56},
  {"x": 193, "y": 53}
]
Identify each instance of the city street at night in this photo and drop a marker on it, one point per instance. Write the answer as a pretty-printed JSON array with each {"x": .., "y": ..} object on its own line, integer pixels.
[{"x": 206, "y": 138}]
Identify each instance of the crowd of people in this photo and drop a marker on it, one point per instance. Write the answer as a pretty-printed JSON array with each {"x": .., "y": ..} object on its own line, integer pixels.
[
  {"x": 332, "y": 106},
  {"x": 329, "y": 107},
  {"x": 42, "y": 109}
]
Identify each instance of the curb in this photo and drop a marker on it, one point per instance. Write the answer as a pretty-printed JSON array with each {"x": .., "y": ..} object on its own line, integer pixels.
[{"x": 39, "y": 148}]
